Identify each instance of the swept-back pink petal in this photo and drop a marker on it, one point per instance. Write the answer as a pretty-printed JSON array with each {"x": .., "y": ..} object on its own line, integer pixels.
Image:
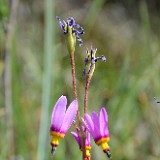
[
  {"x": 89, "y": 124},
  {"x": 95, "y": 120},
  {"x": 103, "y": 122},
  {"x": 77, "y": 138},
  {"x": 88, "y": 141},
  {"x": 69, "y": 116},
  {"x": 58, "y": 113}
]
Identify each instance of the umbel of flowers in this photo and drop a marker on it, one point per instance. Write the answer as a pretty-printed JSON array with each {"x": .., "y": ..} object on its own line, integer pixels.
[{"x": 62, "y": 117}]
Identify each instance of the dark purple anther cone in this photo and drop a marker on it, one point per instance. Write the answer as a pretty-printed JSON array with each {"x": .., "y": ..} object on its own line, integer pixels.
[
  {"x": 108, "y": 154},
  {"x": 53, "y": 150}
]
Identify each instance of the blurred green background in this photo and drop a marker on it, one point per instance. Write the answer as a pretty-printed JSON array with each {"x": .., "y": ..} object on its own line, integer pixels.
[{"x": 35, "y": 71}]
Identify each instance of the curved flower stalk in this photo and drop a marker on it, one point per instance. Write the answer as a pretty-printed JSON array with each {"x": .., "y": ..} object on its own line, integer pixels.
[
  {"x": 98, "y": 128},
  {"x": 78, "y": 138},
  {"x": 72, "y": 30},
  {"x": 61, "y": 120}
]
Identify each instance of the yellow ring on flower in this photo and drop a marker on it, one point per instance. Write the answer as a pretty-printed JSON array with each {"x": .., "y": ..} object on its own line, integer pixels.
[
  {"x": 60, "y": 135},
  {"x": 88, "y": 148},
  {"x": 103, "y": 140},
  {"x": 105, "y": 146},
  {"x": 55, "y": 138}
]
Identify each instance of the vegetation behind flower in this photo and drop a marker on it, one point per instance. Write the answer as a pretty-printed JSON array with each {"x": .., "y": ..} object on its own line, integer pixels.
[{"x": 129, "y": 32}]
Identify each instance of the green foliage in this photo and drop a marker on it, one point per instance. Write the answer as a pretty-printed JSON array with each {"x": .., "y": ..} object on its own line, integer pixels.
[
  {"x": 125, "y": 84},
  {"x": 4, "y": 11}
]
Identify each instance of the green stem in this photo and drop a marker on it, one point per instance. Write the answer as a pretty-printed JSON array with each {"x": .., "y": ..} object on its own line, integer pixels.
[
  {"x": 48, "y": 49},
  {"x": 8, "y": 76}
]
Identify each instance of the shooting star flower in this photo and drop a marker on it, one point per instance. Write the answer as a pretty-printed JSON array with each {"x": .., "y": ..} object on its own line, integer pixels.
[
  {"x": 61, "y": 120},
  {"x": 98, "y": 128}
]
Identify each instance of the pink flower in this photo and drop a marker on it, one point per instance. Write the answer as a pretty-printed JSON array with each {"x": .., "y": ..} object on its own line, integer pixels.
[
  {"x": 61, "y": 120},
  {"x": 78, "y": 138},
  {"x": 97, "y": 125}
]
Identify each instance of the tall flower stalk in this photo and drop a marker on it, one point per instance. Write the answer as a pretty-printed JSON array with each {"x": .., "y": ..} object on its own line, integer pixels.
[
  {"x": 73, "y": 76},
  {"x": 72, "y": 30},
  {"x": 62, "y": 118},
  {"x": 48, "y": 48}
]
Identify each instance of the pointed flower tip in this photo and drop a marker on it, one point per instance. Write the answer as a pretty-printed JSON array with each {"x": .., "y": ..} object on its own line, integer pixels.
[
  {"x": 62, "y": 97},
  {"x": 75, "y": 103},
  {"x": 109, "y": 154},
  {"x": 103, "y": 109},
  {"x": 58, "y": 113},
  {"x": 53, "y": 151},
  {"x": 103, "y": 112}
]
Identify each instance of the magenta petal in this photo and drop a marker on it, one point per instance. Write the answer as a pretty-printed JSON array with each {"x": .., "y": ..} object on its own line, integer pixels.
[
  {"x": 89, "y": 124},
  {"x": 69, "y": 116},
  {"x": 77, "y": 138},
  {"x": 103, "y": 122},
  {"x": 58, "y": 113},
  {"x": 95, "y": 120},
  {"x": 88, "y": 142}
]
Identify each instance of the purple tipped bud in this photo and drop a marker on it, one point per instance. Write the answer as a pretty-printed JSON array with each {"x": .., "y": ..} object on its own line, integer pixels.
[
  {"x": 103, "y": 58},
  {"x": 76, "y": 28}
]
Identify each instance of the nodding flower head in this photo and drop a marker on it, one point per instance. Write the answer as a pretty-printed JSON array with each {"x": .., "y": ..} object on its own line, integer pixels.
[
  {"x": 72, "y": 30},
  {"x": 77, "y": 135},
  {"x": 61, "y": 120},
  {"x": 97, "y": 125},
  {"x": 90, "y": 61}
]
